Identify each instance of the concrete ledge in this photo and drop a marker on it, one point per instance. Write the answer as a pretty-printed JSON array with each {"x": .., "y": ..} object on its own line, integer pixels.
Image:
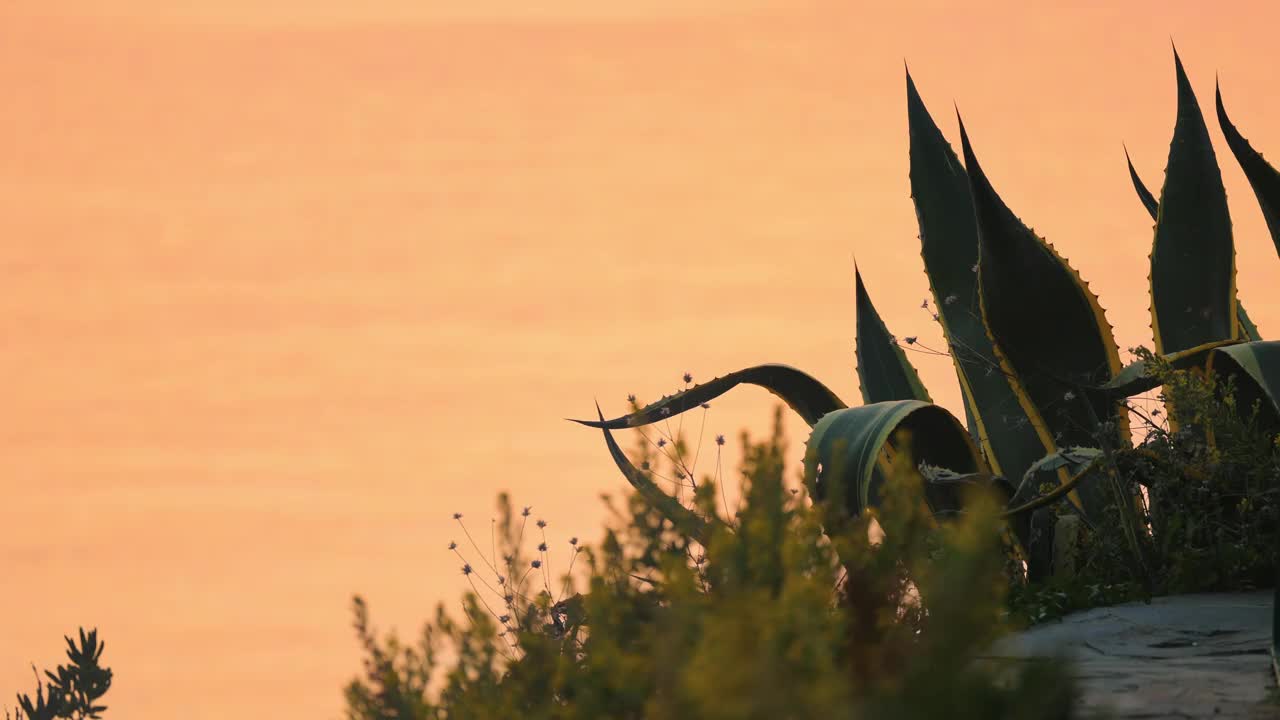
[{"x": 1186, "y": 656}]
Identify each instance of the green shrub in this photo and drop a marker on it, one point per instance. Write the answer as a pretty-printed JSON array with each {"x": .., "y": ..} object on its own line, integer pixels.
[{"x": 772, "y": 618}]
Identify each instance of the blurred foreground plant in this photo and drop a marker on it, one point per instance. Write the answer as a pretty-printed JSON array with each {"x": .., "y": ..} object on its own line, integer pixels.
[{"x": 775, "y": 616}]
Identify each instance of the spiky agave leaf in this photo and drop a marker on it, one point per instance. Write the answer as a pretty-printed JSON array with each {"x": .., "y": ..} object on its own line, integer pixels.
[
  {"x": 1049, "y": 331},
  {"x": 1148, "y": 200},
  {"x": 1193, "y": 277},
  {"x": 799, "y": 390},
  {"x": 1256, "y": 367},
  {"x": 949, "y": 247},
  {"x": 883, "y": 370},
  {"x": 686, "y": 521},
  {"x": 1136, "y": 378},
  {"x": 851, "y": 452},
  {"x": 1248, "y": 330},
  {"x": 1263, "y": 178}
]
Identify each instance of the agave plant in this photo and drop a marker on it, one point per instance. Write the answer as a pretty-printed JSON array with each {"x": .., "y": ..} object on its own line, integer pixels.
[{"x": 1042, "y": 400}]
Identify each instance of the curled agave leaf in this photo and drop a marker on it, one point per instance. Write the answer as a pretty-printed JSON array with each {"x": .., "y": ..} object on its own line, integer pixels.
[{"x": 799, "y": 390}]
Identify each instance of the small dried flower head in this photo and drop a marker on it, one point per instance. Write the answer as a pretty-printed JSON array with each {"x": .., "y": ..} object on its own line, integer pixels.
[
  {"x": 719, "y": 439},
  {"x": 631, "y": 398},
  {"x": 508, "y": 559},
  {"x": 457, "y": 516},
  {"x": 974, "y": 268},
  {"x": 466, "y": 569},
  {"x": 453, "y": 545},
  {"x": 573, "y": 541},
  {"x": 662, "y": 442},
  {"x": 935, "y": 317},
  {"x": 542, "y": 523},
  {"x": 536, "y": 564},
  {"x": 950, "y": 300},
  {"x": 706, "y": 406},
  {"x": 911, "y": 339},
  {"x": 508, "y": 598},
  {"x": 680, "y": 475},
  {"x": 688, "y": 378},
  {"x": 503, "y": 619},
  {"x": 502, "y": 580},
  {"x": 1068, "y": 396},
  {"x": 542, "y": 547},
  {"x": 525, "y": 511},
  {"x": 1156, "y": 411},
  {"x": 924, "y": 305}
]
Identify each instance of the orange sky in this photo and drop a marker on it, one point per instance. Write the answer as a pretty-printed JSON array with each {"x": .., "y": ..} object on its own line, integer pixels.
[{"x": 286, "y": 284}]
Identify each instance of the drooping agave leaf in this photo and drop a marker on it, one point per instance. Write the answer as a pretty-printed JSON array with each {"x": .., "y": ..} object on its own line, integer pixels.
[
  {"x": 1264, "y": 179},
  {"x": 1148, "y": 200},
  {"x": 883, "y": 370},
  {"x": 1135, "y": 378},
  {"x": 1050, "y": 334},
  {"x": 1248, "y": 331},
  {"x": 851, "y": 452},
  {"x": 685, "y": 520},
  {"x": 800, "y": 391},
  {"x": 1256, "y": 367},
  {"x": 949, "y": 247},
  {"x": 1193, "y": 276}
]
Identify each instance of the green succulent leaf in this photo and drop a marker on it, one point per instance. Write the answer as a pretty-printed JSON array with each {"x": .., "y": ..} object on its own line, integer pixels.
[
  {"x": 1256, "y": 367},
  {"x": 685, "y": 520},
  {"x": 1193, "y": 285},
  {"x": 1136, "y": 378},
  {"x": 799, "y": 390},
  {"x": 1050, "y": 333},
  {"x": 1264, "y": 178},
  {"x": 1148, "y": 200},
  {"x": 949, "y": 247},
  {"x": 1248, "y": 330},
  {"x": 851, "y": 452},
  {"x": 884, "y": 373}
]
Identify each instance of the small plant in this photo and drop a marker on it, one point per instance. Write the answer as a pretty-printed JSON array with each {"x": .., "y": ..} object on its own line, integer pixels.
[{"x": 74, "y": 690}]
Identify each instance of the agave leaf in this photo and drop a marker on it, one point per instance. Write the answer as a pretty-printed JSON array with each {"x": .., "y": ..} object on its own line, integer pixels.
[
  {"x": 1264, "y": 178},
  {"x": 1256, "y": 366},
  {"x": 1248, "y": 330},
  {"x": 851, "y": 452},
  {"x": 1135, "y": 378},
  {"x": 800, "y": 391},
  {"x": 1193, "y": 276},
  {"x": 1050, "y": 334},
  {"x": 949, "y": 247},
  {"x": 685, "y": 520},
  {"x": 1148, "y": 200},
  {"x": 883, "y": 370}
]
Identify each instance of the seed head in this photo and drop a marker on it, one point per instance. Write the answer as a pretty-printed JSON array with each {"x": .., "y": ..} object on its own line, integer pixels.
[
  {"x": 720, "y": 440},
  {"x": 542, "y": 523},
  {"x": 536, "y": 564},
  {"x": 457, "y": 516},
  {"x": 525, "y": 511},
  {"x": 688, "y": 378},
  {"x": 466, "y": 569},
  {"x": 453, "y": 545},
  {"x": 542, "y": 547}
]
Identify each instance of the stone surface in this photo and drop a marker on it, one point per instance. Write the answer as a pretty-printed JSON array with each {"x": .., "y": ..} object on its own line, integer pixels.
[{"x": 1188, "y": 656}]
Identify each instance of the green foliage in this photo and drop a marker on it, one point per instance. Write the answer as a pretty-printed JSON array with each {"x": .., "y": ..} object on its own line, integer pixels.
[
  {"x": 73, "y": 691},
  {"x": 1206, "y": 497},
  {"x": 883, "y": 370},
  {"x": 774, "y": 617}
]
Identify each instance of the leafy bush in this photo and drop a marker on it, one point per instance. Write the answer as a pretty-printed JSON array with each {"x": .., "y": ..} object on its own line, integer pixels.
[
  {"x": 72, "y": 692},
  {"x": 772, "y": 618}
]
